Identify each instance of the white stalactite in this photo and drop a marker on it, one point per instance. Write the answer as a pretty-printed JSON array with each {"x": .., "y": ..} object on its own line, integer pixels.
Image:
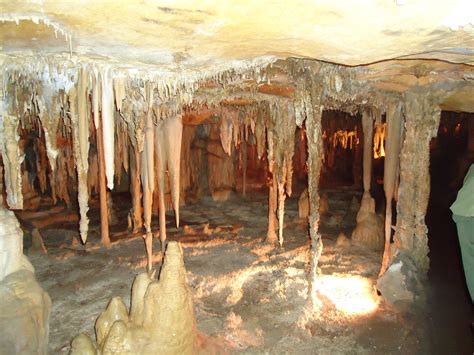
[
  {"x": 80, "y": 126},
  {"x": 168, "y": 154},
  {"x": 108, "y": 125},
  {"x": 392, "y": 158},
  {"x": 173, "y": 135}
]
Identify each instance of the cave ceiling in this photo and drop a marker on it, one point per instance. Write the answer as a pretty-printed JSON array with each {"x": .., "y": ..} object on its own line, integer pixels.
[
  {"x": 398, "y": 44},
  {"x": 186, "y": 34}
]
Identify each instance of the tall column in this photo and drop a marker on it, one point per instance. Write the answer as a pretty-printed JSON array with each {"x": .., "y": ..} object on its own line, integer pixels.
[
  {"x": 421, "y": 125},
  {"x": 368, "y": 129},
  {"x": 315, "y": 151},
  {"x": 392, "y": 161}
]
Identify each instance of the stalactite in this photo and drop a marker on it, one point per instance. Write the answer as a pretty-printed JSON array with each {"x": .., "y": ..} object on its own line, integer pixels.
[
  {"x": 104, "y": 213},
  {"x": 281, "y": 130},
  {"x": 368, "y": 128},
  {"x": 80, "y": 128},
  {"x": 147, "y": 176},
  {"x": 243, "y": 154},
  {"x": 173, "y": 135},
  {"x": 168, "y": 138},
  {"x": 108, "y": 124},
  {"x": 392, "y": 154},
  {"x": 260, "y": 131}
]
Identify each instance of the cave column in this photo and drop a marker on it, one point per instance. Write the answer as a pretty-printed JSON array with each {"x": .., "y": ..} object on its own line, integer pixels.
[
  {"x": 315, "y": 151},
  {"x": 12, "y": 159},
  {"x": 421, "y": 125},
  {"x": 368, "y": 129},
  {"x": 391, "y": 170},
  {"x": 135, "y": 221}
]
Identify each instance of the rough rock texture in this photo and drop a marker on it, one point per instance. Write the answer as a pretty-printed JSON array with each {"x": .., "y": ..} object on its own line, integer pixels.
[
  {"x": 24, "y": 306},
  {"x": 161, "y": 318},
  {"x": 369, "y": 231},
  {"x": 400, "y": 285}
]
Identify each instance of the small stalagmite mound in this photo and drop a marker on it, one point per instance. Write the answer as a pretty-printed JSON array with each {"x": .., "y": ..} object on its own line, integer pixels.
[
  {"x": 161, "y": 317},
  {"x": 303, "y": 204},
  {"x": 369, "y": 231}
]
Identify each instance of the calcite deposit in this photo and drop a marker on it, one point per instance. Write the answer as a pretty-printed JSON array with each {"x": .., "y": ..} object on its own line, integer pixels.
[
  {"x": 25, "y": 307},
  {"x": 160, "y": 319},
  {"x": 178, "y": 101}
]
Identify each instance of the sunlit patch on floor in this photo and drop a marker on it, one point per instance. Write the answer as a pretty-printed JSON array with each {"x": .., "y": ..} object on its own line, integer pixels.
[{"x": 352, "y": 295}]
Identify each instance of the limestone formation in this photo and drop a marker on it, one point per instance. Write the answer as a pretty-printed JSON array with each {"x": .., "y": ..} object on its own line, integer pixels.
[
  {"x": 303, "y": 205},
  {"x": 369, "y": 230},
  {"x": 206, "y": 81},
  {"x": 24, "y": 306},
  {"x": 342, "y": 241},
  {"x": 161, "y": 317}
]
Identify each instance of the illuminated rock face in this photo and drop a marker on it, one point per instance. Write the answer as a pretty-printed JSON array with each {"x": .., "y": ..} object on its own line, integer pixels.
[
  {"x": 192, "y": 33},
  {"x": 161, "y": 318},
  {"x": 24, "y": 306}
]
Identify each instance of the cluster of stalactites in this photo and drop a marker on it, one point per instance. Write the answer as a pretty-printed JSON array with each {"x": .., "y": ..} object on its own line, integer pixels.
[{"x": 61, "y": 108}]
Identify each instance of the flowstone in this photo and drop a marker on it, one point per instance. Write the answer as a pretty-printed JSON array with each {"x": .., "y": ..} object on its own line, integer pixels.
[
  {"x": 24, "y": 306},
  {"x": 160, "y": 320}
]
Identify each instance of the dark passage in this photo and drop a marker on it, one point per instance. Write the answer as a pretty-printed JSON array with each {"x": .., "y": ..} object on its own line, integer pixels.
[{"x": 451, "y": 311}]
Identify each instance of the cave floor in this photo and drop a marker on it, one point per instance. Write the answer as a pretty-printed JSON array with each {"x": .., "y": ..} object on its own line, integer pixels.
[{"x": 248, "y": 296}]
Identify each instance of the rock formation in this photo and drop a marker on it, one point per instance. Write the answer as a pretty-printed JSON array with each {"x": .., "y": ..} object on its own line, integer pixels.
[
  {"x": 303, "y": 204},
  {"x": 24, "y": 306},
  {"x": 160, "y": 320},
  {"x": 369, "y": 230}
]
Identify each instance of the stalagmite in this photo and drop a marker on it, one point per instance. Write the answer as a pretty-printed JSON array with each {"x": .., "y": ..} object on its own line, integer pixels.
[
  {"x": 108, "y": 124},
  {"x": 24, "y": 306},
  {"x": 281, "y": 210},
  {"x": 392, "y": 158},
  {"x": 369, "y": 231},
  {"x": 161, "y": 318},
  {"x": 12, "y": 159},
  {"x": 272, "y": 208}
]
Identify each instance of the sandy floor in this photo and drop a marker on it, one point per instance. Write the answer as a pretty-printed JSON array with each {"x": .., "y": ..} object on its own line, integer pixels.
[{"x": 248, "y": 296}]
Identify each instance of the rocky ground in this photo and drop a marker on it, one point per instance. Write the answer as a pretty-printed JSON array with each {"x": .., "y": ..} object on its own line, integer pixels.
[{"x": 248, "y": 297}]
